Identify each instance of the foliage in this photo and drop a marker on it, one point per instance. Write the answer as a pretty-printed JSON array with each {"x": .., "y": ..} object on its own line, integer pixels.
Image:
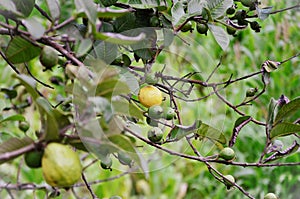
[{"x": 107, "y": 51}]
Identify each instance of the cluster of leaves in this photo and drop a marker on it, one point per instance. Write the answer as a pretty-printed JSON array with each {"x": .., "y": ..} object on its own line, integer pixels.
[{"x": 114, "y": 38}]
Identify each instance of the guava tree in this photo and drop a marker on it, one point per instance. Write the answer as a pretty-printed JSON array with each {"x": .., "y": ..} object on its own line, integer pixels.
[{"x": 96, "y": 76}]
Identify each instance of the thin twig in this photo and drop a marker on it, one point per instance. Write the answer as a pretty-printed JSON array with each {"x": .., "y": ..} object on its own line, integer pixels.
[
  {"x": 36, "y": 79},
  {"x": 235, "y": 108},
  {"x": 89, "y": 187},
  {"x": 215, "y": 69},
  {"x": 45, "y": 14},
  {"x": 203, "y": 159},
  {"x": 8, "y": 62},
  {"x": 104, "y": 180}
]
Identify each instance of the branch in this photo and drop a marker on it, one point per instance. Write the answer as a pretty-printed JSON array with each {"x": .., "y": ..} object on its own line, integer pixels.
[
  {"x": 8, "y": 62},
  {"x": 12, "y": 154},
  {"x": 88, "y": 187},
  {"x": 235, "y": 108}
]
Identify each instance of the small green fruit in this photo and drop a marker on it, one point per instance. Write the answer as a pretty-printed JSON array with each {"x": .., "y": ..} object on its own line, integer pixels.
[
  {"x": 151, "y": 79},
  {"x": 227, "y": 153},
  {"x": 270, "y": 196},
  {"x": 187, "y": 27},
  {"x": 254, "y": 25},
  {"x": 155, "y": 112},
  {"x": 251, "y": 92},
  {"x": 228, "y": 180},
  {"x": 169, "y": 113},
  {"x": 24, "y": 126},
  {"x": 155, "y": 135},
  {"x": 33, "y": 159},
  {"x": 202, "y": 28},
  {"x": 48, "y": 57},
  {"x": 124, "y": 158}
]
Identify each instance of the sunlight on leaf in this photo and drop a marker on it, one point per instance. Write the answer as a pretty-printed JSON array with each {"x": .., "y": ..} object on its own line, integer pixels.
[{"x": 220, "y": 35}]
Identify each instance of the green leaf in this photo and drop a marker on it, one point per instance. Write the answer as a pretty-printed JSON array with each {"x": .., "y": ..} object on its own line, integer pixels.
[
  {"x": 11, "y": 148},
  {"x": 206, "y": 131},
  {"x": 111, "y": 87},
  {"x": 168, "y": 37},
  {"x": 24, "y": 6},
  {"x": 220, "y": 35},
  {"x": 34, "y": 27},
  {"x": 238, "y": 125},
  {"x": 195, "y": 7},
  {"x": 218, "y": 8},
  {"x": 101, "y": 106},
  {"x": 20, "y": 50},
  {"x": 145, "y": 4},
  {"x": 54, "y": 9},
  {"x": 112, "y": 13},
  {"x": 127, "y": 22},
  {"x": 30, "y": 85},
  {"x": 130, "y": 80},
  {"x": 178, "y": 14},
  {"x": 271, "y": 109},
  {"x": 180, "y": 131},
  {"x": 49, "y": 124},
  {"x": 284, "y": 129},
  {"x": 84, "y": 47},
  {"x": 117, "y": 38},
  {"x": 145, "y": 49},
  {"x": 62, "y": 118},
  {"x": 288, "y": 110},
  {"x": 106, "y": 51},
  {"x": 89, "y": 8},
  {"x": 240, "y": 120},
  {"x": 123, "y": 107},
  {"x": 13, "y": 118},
  {"x": 107, "y": 3}
]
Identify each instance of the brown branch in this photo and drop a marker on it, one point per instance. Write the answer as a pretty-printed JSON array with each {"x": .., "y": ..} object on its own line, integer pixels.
[
  {"x": 88, "y": 187},
  {"x": 36, "y": 79},
  {"x": 104, "y": 180},
  {"x": 12, "y": 154},
  {"x": 235, "y": 108},
  {"x": 203, "y": 159},
  {"x": 43, "y": 13}
]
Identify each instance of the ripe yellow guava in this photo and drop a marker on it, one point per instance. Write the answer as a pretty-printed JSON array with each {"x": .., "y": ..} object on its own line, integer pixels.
[{"x": 150, "y": 96}]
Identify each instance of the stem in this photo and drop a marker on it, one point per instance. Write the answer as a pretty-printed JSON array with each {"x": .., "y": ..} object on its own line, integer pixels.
[{"x": 89, "y": 187}]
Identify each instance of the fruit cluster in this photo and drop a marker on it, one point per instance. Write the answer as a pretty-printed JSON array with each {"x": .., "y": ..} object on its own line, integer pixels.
[{"x": 151, "y": 97}]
